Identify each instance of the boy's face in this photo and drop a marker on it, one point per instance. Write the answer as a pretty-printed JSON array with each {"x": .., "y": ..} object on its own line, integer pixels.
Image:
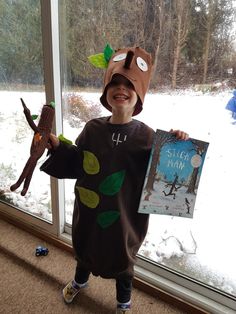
[{"x": 121, "y": 95}]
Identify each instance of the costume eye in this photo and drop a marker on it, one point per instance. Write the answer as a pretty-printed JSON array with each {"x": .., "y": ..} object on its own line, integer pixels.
[
  {"x": 142, "y": 64},
  {"x": 120, "y": 57}
]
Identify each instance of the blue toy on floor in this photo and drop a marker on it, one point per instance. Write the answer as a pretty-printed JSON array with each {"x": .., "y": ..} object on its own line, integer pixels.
[{"x": 41, "y": 251}]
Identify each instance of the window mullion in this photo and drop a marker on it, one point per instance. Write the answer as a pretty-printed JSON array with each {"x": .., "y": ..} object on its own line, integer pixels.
[{"x": 51, "y": 52}]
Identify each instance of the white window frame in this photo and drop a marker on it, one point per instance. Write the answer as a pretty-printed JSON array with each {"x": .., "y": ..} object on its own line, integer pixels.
[
  {"x": 186, "y": 288},
  {"x": 51, "y": 60},
  {"x": 52, "y": 75},
  {"x": 170, "y": 281}
]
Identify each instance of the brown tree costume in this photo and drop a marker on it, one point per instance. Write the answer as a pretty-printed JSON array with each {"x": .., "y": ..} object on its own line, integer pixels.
[
  {"x": 39, "y": 143},
  {"x": 109, "y": 163}
]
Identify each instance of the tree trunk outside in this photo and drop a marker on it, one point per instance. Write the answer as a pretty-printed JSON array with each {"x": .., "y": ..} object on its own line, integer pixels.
[
  {"x": 205, "y": 58},
  {"x": 175, "y": 66}
]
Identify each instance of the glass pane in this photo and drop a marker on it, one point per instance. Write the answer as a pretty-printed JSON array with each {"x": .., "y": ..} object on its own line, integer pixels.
[
  {"x": 195, "y": 247},
  {"x": 198, "y": 247},
  {"x": 79, "y": 107},
  {"x": 21, "y": 76}
]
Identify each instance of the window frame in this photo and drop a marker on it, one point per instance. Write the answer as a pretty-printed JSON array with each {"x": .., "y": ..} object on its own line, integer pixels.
[
  {"x": 52, "y": 76},
  {"x": 184, "y": 287},
  {"x": 170, "y": 281},
  {"x": 50, "y": 45}
]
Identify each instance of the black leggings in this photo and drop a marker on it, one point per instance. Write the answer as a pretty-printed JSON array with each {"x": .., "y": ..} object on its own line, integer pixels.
[{"x": 123, "y": 283}]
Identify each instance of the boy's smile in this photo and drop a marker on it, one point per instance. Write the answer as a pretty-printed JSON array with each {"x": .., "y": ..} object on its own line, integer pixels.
[{"x": 121, "y": 95}]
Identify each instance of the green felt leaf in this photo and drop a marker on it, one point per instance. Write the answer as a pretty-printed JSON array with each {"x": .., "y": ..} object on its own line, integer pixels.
[
  {"x": 98, "y": 60},
  {"x": 107, "y": 218},
  {"x": 88, "y": 197},
  {"x": 112, "y": 184},
  {"x": 52, "y": 104},
  {"x": 90, "y": 163},
  {"x": 64, "y": 140},
  {"x": 108, "y": 52},
  {"x": 34, "y": 116}
]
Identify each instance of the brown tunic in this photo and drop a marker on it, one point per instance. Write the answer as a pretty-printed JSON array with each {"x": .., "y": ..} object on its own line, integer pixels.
[{"x": 109, "y": 162}]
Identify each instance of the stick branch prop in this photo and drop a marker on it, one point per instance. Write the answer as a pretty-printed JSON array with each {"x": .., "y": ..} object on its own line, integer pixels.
[{"x": 39, "y": 143}]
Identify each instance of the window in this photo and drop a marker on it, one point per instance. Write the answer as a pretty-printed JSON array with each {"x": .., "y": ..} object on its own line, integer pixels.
[
  {"x": 177, "y": 244},
  {"x": 199, "y": 251},
  {"x": 21, "y": 77},
  {"x": 198, "y": 247}
]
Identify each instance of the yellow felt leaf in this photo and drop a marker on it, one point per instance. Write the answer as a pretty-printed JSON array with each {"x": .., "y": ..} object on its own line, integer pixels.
[
  {"x": 90, "y": 163},
  {"x": 88, "y": 197},
  {"x": 98, "y": 60}
]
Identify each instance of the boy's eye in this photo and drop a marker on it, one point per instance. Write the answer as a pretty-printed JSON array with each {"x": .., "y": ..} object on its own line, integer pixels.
[
  {"x": 120, "y": 57},
  {"x": 142, "y": 64}
]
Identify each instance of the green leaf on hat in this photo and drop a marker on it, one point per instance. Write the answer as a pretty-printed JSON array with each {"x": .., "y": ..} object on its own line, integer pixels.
[
  {"x": 64, "y": 140},
  {"x": 98, "y": 60},
  {"x": 108, "y": 52},
  {"x": 112, "y": 184},
  {"x": 34, "y": 116},
  {"x": 107, "y": 218}
]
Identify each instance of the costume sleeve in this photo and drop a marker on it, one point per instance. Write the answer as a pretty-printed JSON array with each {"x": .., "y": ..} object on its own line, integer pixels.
[{"x": 64, "y": 162}]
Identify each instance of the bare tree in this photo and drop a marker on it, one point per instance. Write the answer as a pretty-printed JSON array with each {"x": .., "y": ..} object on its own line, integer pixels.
[
  {"x": 180, "y": 32},
  {"x": 155, "y": 32},
  {"x": 234, "y": 68},
  {"x": 208, "y": 24}
]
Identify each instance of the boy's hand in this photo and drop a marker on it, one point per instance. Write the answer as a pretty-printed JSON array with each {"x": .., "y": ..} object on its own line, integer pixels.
[
  {"x": 53, "y": 142},
  {"x": 180, "y": 135}
]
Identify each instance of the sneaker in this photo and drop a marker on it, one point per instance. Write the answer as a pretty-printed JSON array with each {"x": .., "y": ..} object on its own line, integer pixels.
[
  {"x": 123, "y": 309},
  {"x": 71, "y": 290}
]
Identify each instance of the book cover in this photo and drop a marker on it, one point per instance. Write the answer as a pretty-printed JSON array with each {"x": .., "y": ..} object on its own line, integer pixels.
[{"x": 173, "y": 175}]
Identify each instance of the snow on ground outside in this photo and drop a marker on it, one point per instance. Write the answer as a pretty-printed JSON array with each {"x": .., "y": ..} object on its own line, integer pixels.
[{"x": 203, "y": 117}]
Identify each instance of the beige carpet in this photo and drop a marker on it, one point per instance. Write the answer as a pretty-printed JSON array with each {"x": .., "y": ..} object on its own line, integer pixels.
[{"x": 30, "y": 284}]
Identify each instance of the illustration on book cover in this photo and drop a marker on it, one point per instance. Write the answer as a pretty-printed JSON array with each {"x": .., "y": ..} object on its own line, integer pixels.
[{"x": 173, "y": 175}]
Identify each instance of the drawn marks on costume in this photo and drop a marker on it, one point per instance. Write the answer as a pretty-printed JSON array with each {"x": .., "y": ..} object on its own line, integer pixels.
[{"x": 117, "y": 139}]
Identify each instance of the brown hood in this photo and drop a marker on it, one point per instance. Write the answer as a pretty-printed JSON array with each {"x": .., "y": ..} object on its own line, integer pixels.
[{"x": 135, "y": 64}]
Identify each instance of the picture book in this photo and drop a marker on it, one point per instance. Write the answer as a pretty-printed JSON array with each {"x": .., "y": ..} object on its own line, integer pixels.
[{"x": 173, "y": 174}]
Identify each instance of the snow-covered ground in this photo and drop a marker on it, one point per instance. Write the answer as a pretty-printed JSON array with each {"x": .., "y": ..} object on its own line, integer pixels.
[{"x": 202, "y": 247}]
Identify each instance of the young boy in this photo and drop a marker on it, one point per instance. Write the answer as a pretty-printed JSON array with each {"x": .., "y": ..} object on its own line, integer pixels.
[{"x": 109, "y": 161}]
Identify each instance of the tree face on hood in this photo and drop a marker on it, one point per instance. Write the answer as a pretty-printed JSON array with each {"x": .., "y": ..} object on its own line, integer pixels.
[{"x": 136, "y": 65}]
